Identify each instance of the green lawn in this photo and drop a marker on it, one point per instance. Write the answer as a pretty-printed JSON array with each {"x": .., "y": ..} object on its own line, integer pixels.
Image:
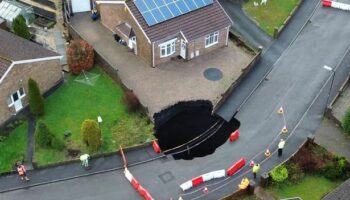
[
  {"x": 13, "y": 148},
  {"x": 311, "y": 188},
  {"x": 74, "y": 102},
  {"x": 272, "y": 15}
]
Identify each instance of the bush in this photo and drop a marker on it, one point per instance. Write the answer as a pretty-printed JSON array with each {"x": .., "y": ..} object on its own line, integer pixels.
[
  {"x": 295, "y": 174},
  {"x": 91, "y": 135},
  {"x": 338, "y": 169},
  {"x": 131, "y": 101},
  {"x": 57, "y": 144},
  {"x": 346, "y": 121},
  {"x": 20, "y": 27},
  {"x": 43, "y": 136},
  {"x": 36, "y": 100},
  {"x": 80, "y": 56},
  {"x": 279, "y": 174}
]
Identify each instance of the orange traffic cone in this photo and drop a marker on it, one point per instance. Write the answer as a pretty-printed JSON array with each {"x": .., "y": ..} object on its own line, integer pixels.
[
  {"x": 267, "y": 153},
  {"x": 284, "y": 129},
  {"x": 251, "y": 163},
  {"x": 205, "y": 190},
  {"x": 280, "y": 111}
]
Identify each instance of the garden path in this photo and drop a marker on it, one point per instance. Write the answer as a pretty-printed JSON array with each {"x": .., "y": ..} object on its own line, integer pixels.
[{"x": 30, "y": 143}]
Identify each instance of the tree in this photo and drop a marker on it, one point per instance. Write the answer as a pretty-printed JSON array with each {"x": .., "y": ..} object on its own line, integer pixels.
[
  {"x": 80, "y": 56},
  {"x": 36, "y": 100},
  {"x": 43, "y": 136},
  {"x": 20, "y": 27},
  {"x": 346, "y": 121},
  {"x": 91, "y": 135}
]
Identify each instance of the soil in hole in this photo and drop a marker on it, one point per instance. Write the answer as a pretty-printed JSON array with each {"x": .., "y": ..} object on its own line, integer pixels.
[{"x": 188, "y": 123}]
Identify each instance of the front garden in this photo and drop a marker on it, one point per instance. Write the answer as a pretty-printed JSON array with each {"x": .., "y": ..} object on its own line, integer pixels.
[
  {"x": 75, "y": 101},
  {"x": 13, "y": 145},
  {"x": 271, "y": 15}
]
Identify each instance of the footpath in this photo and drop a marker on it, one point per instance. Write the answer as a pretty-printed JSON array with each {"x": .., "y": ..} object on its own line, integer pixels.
[{"x": 74, "y": 170}]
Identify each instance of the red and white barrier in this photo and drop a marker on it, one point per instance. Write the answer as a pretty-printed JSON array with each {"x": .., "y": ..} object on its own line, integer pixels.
[
  {"x": 234, "y": 136},
  {"x": 156, "y": 147},
  {"x": 203, "y": 178},
  {"x": 135, "y": 184},
  {"x": 334, "y": 4},
  {"x": 235, "y": 167}
]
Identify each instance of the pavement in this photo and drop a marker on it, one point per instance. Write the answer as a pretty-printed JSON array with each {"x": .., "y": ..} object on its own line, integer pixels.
[
  {"x": 341, "y": 105},
  {"x": 295, "y": 79},
  {"x": 244, "y": 26}
]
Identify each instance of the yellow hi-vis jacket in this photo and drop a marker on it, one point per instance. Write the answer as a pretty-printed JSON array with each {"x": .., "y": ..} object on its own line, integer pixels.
[
  {"x": 281, "y": 144},
  {"x": 256, "y": 168}
]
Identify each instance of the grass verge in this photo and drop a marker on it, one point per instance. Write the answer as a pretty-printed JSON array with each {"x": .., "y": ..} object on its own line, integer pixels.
[{"x": 272, "y": 15}]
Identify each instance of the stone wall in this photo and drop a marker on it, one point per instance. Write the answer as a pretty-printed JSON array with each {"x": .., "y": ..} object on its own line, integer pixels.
[{"x": 46, "y": 73}]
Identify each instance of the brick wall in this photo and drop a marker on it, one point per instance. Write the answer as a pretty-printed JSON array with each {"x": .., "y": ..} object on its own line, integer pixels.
[
  {"x": 46, "y": 73},
  {"x": 157, "y": 59},
  {"x": 115, "y": 14},
  {"x": 199, "y": 44}
]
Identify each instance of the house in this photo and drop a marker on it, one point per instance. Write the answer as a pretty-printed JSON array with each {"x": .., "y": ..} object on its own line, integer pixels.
[
  {"x": 161, "y": 30},
  {"x": 20, "y": 60}
]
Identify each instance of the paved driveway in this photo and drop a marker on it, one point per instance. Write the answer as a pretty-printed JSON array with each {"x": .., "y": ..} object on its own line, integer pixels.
[{"x": 168, "y": 84}]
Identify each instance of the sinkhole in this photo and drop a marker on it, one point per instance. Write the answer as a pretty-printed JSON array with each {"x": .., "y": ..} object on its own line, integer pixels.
[{"x": 189, "y": 129}]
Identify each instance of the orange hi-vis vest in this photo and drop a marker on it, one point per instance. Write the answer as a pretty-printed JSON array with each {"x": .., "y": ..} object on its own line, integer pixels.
[{"x": 21, "y": 170}]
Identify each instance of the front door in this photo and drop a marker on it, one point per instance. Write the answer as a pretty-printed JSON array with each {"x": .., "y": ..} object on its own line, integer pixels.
[
  {"x": 17, "y": 102},
  {"x": 133, "y": 44},
  {"x": 183, "y": 49}
]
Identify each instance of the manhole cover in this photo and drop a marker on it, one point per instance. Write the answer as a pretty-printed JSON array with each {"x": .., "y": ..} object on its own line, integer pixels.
[
  {"x": 166, "y": 177},
  {"x": 213, "y": 74}
]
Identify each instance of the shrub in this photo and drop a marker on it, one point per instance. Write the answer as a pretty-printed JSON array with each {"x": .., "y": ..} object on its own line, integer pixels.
[
  {"x": 20, "y": 27},
  {"x": 279, "y": 174},
  {"x": 57, "y": 144},
  {"x": 131, "y": 101},
  {"x": 295, "y": 174},
  {"x": 43, "y": 136},
  {"x": 36, "y": 100},
  {"x": 91, "y": 135},
  {"x": 80, "y": 56},
  {"x": 338, "y": 169},
  {"x": 346, "y": 121}
]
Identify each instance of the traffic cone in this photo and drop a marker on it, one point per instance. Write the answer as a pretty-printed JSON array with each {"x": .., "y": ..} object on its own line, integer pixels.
[
  {"x": 205, "y": 190},
  {"x": 251, "y": 163},
  {"x": 284, "y": 129},
  {"x": 267, "y": 153},
  {"x": 280, "y": 111}
]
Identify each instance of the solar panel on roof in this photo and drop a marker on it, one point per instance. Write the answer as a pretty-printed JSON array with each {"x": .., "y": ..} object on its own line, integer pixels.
[{"x": 156, "y": 11}]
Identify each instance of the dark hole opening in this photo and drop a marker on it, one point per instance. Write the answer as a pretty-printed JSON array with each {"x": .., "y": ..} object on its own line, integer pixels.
[{"x": 188, "y": 129}]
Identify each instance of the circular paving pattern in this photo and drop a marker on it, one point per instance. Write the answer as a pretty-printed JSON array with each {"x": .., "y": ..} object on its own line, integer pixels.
[{"x": 213, "y": 74}]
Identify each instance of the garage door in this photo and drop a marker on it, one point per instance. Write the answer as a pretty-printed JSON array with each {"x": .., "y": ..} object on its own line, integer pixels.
[{"x": 80, "y": 6}]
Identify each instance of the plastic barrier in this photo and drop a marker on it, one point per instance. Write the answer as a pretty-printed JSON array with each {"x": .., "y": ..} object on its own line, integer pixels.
[
  {"x": 334, "y": 4},
  {"x": 203, "y": 178},
  {"x": 155, "y": 147},
  {"x": 234, "y": 136},
  {"x": 135, "y": 184},
  {"x": 235, "y": 167}
]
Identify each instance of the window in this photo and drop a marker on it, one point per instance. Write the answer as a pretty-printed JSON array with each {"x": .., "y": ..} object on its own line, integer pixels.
[
  {"x": 167, "y": 48},
  {"x": 211, "y": 39},
  {"x": 21, "y": 92}
]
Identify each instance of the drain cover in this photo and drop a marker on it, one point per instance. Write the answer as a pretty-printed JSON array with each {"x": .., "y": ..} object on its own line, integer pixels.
[{"x": 213, "y": 74}]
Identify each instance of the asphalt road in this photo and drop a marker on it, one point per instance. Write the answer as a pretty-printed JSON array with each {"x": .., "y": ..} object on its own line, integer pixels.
[{"x": 297, "y": 81}]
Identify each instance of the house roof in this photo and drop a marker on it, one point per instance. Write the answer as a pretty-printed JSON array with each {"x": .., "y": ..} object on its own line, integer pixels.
[
  {"x": 125, "y": 29},
  {"x": 194, "y": 24},
  {"x": 16, "y": 48},
  {"x": 4, "y": 66}
]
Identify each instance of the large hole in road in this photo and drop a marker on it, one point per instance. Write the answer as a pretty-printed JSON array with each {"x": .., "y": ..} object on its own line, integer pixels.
[{"x": 188, "y": 129}]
